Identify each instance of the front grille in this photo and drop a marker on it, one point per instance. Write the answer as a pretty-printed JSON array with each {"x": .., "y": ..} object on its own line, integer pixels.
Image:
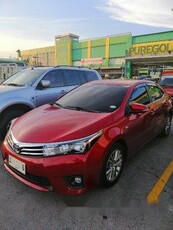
[
  {"x": 35, "y": 150},
  {"x": 24, "y": 148},
  {"x": 42, "y": 181}
]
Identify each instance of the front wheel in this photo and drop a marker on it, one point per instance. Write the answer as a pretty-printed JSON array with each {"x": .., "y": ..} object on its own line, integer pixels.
[
  {"x": 113, "y": 165},
  {"x": 6, "y": 120},
  {"x": 167, "y": 127}
]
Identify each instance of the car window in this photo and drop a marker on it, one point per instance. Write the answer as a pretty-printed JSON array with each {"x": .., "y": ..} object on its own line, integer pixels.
[
  {"x": 72, "y": 77},
  {"x": 154, "y": 92},
  {"x": 140, "y": 95},
  {"x": 24, "y": 77},
  {"x": 91, "y": 76},
  {"x": 55, "y": 77},
  {"x": 166, "y": 81},
  {"x": 82, "y": 77}
]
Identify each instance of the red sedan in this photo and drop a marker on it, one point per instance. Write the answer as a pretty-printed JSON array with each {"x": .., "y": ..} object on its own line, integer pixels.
[
  {"x": 84, "y": 138},
  {"x": 166, "y": 81}
]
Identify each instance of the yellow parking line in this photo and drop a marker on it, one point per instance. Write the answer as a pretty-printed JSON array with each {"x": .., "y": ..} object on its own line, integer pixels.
[{"x": 153, "y": 197}]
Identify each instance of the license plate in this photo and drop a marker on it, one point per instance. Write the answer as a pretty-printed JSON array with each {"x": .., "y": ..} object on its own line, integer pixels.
[{"x": 16, "y": 164}]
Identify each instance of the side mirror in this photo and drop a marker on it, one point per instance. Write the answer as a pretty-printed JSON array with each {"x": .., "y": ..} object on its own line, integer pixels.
[
  {"x": 45, "y": 83},
  {"x": 138, "y": 108}
]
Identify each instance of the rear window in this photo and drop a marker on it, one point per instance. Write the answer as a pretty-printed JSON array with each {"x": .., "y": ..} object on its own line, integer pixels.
[
  {"x": 82, "y": 77},
  {"x": 91, "y": 76}
]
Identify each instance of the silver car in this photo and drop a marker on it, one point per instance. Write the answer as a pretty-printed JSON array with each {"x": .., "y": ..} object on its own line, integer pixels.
[{"x": 33, "y": 87}]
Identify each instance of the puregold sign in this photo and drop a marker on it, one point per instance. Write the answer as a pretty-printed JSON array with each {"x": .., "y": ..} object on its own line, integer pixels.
[{"x": 149, "y": 48}]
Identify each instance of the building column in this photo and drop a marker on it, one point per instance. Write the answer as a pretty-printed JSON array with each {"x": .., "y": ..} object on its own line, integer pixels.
[
  {"x": 128, "y": 69},
  {"x": 70, "y": 52},
  {"x": 107, "y": 50},
  {"x": 89, "y": 50}
]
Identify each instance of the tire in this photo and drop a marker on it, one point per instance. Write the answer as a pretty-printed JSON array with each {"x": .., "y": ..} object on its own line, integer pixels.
[
  {"x": 166, "y": 130},
  {"x": 6, "y": 120},
  {"x": 112, "y": 166}
]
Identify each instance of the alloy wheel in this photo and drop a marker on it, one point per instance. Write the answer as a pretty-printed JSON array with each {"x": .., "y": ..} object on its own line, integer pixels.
[
  {"x": 114, "y": 165},
  {"x": 168, "y": 125}
]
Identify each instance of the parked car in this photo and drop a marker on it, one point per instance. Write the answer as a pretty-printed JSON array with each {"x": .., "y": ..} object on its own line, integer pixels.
[
  {"x": 166, "y": 82},
  {"x": 146, "y": 77},
  {"x": 33, "y": 87},
  {"x": 84, "y": 138},
  {"x": 143, "y": 77}
]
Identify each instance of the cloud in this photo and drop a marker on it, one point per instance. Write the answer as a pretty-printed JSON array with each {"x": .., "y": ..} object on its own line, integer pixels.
[
  {"x": 9, "y": 44},
  {"x": 29, "y": 33},
  {"x": 40, "y": 29},
  {"x": 145, "y": 12},
  {"x": 26, "y": 33}
]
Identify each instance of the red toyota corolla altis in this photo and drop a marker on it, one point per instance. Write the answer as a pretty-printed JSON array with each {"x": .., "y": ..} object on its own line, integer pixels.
[{"x": 83, "y": 139}]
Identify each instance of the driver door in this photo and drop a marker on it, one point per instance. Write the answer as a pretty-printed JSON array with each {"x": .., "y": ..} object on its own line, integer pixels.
[{"x": 140, "y": 125}]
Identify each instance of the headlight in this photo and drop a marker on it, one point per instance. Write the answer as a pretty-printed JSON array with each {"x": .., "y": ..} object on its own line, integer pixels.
[
  {"x": 10, "y": 125},
  {"x": 78, "y": 146}
]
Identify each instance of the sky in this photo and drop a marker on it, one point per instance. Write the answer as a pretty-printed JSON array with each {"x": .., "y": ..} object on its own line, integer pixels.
[{"x": 34, "y": 23}]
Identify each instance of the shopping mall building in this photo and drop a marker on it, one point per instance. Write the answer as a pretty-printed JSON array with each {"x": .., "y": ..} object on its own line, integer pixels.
[{"x": 117, "y": 55}]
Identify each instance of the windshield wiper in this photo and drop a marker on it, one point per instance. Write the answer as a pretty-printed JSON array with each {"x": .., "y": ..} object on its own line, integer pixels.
[
  {"x": 59, "y": 105},
  {"x": 80, "y": 109}
]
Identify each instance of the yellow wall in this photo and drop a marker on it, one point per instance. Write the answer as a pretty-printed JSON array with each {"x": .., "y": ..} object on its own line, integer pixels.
[{"x": 40, "y": 56}]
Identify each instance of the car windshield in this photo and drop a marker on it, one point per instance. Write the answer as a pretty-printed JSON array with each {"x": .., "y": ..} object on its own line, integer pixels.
[
  {"x": 94, "y": 98},
  {"x": 24, "y": 77},
  {"x": 166, "y": 81}
]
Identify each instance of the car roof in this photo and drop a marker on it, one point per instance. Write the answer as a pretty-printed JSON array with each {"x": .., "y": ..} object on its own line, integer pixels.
[
  {"x": 73, "y": 67},
  {"x": 62, "y": 67},
  {"x": 123, "y": 82},
  {"x": 39, "y": 68}
]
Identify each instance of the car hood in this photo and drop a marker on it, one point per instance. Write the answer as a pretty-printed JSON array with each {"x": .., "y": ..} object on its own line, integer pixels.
[
  {"x": 6, "y": 88},
  {"x": 52, "y": 124}
]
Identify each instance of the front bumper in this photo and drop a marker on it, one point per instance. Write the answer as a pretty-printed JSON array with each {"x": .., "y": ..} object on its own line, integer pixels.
[{"x": 52, "y": 173}]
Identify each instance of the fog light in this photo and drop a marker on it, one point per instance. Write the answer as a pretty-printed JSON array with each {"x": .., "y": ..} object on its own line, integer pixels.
[
  {"x": 78, "y": 180},
  {"x": 75, "y": 181}
]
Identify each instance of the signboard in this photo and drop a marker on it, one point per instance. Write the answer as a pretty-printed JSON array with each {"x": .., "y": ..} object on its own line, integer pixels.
[
  {"x": 151, "y": 48},
  {"x": 92, "y": 61}
]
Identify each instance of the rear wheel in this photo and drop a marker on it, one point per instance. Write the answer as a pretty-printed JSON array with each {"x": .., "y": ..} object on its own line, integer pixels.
[
  {"x": 113, "y": 165},
  {"x": 167, "y": 127},
  {"x": 6, "y": 121}
]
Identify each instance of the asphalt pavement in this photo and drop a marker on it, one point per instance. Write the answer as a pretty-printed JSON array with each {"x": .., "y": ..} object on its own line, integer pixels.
[{"x": 123, "y": 206}]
